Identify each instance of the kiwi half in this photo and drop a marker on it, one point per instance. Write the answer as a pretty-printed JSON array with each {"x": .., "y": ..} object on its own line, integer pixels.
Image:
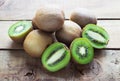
[
  {"x": 82, "y": 51},
  {"x": 97, "y": 36},
  {"x": 55, "y": 57},
  {"x": 18, "y": 31}
]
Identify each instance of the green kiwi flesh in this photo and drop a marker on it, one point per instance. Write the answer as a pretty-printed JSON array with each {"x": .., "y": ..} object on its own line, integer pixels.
[
  {"x": 82, "y": 51},
  {"x": 97, "y": 36},
  {"x": 18, "y": 31},
  {"x": 55, "y": 57}
]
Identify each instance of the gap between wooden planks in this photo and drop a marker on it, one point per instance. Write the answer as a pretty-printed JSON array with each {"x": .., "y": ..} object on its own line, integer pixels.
[{"x": 111, "y": 26}]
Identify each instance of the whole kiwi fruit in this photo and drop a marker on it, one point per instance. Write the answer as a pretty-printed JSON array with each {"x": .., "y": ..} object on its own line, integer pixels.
[
  {"x": 36, "y": 42},
  {"x": 49, "y": 18},
  {"x": 83, "y": 17},
  {"x": 69, "y": 31}
]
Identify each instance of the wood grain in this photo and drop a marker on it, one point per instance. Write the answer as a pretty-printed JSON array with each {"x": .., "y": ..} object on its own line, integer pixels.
[
  {"x": 25, "y": 9},
  {"x": 18, "y": 66},
  {"x": 111, "y": 26}
]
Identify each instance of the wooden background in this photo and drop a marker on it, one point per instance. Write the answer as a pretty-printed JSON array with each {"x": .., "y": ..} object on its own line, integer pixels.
[{"x": 16, "y": 65}]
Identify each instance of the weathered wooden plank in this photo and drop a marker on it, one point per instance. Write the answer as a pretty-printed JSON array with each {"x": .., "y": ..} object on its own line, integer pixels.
[
  {"x": 111, "y": 26},
  {"x": 25, "y": 9},
  {"x": 18, "y": 66}
]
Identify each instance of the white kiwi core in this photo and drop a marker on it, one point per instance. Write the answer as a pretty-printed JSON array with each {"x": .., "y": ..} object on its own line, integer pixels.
[
  {"x": 96, "y": 36},
  {"x": 82, "y": 51},
  {"x": 19, "y": 29},
  {"x": 57, "y": 55}
]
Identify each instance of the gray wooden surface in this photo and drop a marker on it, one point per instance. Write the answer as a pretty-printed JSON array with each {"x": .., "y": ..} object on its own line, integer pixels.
[{"x": 16, "y": 65}]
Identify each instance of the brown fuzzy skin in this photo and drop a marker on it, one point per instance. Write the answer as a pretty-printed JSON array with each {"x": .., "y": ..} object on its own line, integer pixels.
[
  {"x": 49, "y": 18},
  {"x": 36, "y": 42},
  {"x": 33, "y": 23},
  {"x": 83, "y": 17},
  {"x": 68, "y": 32}
]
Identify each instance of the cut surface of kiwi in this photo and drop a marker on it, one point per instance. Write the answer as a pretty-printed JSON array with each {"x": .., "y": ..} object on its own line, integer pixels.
[
  {"x": 55, "y": 57},
  {"x": 97, "y": 36},
  {"x": 82, "y": 51},
  {"x": 18, "y": 31}
]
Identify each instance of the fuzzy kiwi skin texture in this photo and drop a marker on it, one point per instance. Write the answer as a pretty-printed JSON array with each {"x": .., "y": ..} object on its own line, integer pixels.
[
  {"x": 75, "y": 51},
  {"x": 69, "y": 31},
  {"x": 94, "y": 40},
  {"x": 36, "y": 42},
  {"x": 33, "y": 23},
  {"x": 49, "y": 18},
  {"x": 83, "y": 17},
  {"x": 19, "y": 38},
  {"x": 61, "y": 61}
]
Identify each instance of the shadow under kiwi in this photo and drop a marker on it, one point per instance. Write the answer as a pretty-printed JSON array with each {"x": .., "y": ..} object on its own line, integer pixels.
[
  {"x": 66, "y": 73},
  {"x": 87, "y": 71},
  {"x": 14, "y": 45}
]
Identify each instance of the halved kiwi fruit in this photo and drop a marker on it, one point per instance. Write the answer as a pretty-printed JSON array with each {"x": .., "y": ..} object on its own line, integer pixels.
[
  {"x": 97, "y": 35},
  {"x": 82, "y": 51},
  {"x": 18, "y": 31},
  {"x": 55, "y": 57}
]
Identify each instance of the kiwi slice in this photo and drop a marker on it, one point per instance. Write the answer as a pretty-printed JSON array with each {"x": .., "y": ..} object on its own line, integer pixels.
[
  {"x": 55, "y": 57},
  {"x": 18, "y": 31},
  {"x": 82, "y": 51},
  {"x": 97, "y": 36}
]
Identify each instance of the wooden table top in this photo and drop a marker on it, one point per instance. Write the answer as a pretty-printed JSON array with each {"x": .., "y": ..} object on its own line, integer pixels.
[{"x": 16, "y": 65}]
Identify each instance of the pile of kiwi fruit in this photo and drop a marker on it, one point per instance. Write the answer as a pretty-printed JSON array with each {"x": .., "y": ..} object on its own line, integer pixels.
[{"x": 57, "y": 41}]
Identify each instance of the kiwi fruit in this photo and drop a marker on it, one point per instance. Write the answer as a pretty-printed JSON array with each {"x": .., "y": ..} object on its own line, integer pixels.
[
  {"x": 19, "y": 30},
  {"x": 33, "y": 23},
  {"x": 81, "y": 50},
  {"x": 83, "y": 17},
  {"x": 55, "y": 57},
  {"x": 36, "y": 42},
  {"x": 49, "y": 18},
  {"x": 97, "y": 35},
  {"x": 69, "y": 31}
]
